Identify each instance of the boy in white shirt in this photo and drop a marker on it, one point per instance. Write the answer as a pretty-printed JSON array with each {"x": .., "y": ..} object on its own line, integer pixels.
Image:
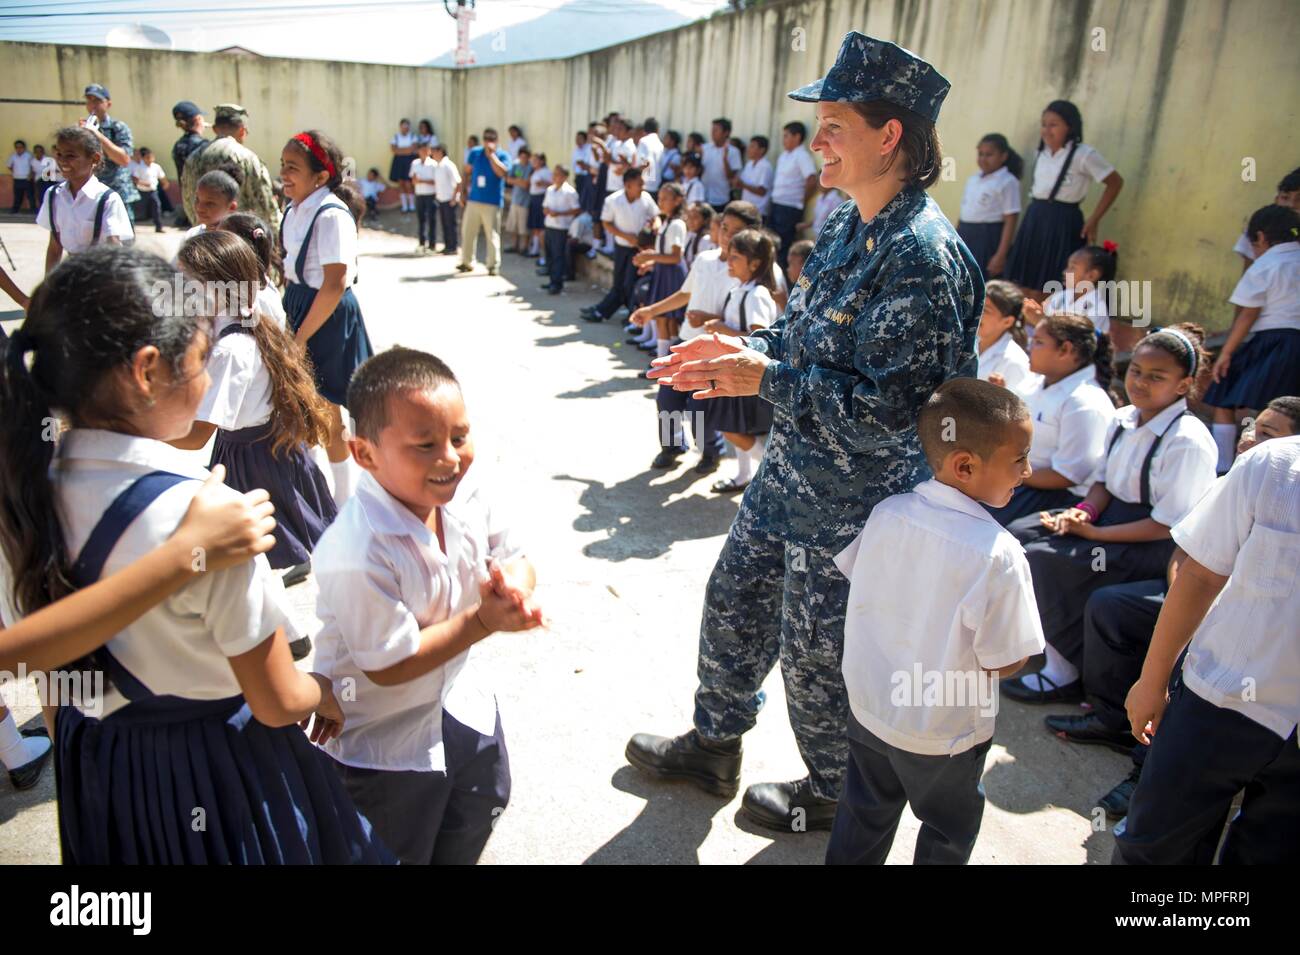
[
  {"x": 446, "y": 182},
  {"x": 940, "y": 605},
  {"x": 1229, "y": 723},
  {"x": 410, "y": 580},
  {"x": 20, "y": 167},
  {"x": 755, "y": 180},
  {"x": 149, "y": 180},
  {"x": 423, "y": 173}
]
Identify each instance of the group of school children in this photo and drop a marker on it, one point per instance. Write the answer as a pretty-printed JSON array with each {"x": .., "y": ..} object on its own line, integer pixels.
[
  {"x": 1055, "y": 522},
  {"x": 120, "y": 555}
]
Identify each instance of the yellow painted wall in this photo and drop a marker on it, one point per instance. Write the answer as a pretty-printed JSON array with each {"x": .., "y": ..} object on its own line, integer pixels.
[{"x": 1183, "y": 92}]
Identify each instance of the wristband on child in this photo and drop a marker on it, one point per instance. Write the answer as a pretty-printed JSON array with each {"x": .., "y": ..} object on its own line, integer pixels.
[{"x": 1088, "y": 509}]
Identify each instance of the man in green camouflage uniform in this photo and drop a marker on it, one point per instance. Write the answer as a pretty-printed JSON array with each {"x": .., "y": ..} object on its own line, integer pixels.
[
  {"x": 257, "y": 193},
  {"x": 884, "y": 312}
]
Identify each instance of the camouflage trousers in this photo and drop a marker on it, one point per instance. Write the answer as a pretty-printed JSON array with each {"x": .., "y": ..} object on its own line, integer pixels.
[{"x": 769, "y": 600}]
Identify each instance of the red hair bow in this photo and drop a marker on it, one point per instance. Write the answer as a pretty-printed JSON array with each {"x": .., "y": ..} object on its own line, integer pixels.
[
  {"x": 1110, "y": 246},
  {"x": 314, "y": 147}
]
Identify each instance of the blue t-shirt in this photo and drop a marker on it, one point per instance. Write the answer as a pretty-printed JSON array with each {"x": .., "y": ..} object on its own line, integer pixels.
[{"x": 485, "y": 185}]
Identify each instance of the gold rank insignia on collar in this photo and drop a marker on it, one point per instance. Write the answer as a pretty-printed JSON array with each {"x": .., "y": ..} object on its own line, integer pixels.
[
  {"x": 871, "y": 242},
  {"x": 804, "y": 282}
]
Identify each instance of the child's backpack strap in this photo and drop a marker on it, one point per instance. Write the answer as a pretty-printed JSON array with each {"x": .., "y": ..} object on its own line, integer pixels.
[{"x": 89, "y": 565}]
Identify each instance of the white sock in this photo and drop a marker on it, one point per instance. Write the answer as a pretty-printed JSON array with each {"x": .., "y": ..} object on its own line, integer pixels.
[
  {"x": 344, "y": 480},
  {"x": 649, "y": 335},
  {"x": 661, "y": 348},
  {"x": 744, "y": 466},
  {"x": 1225, "y": 436},
  {"x": 1057, "y": 669},
  {"x": 15, "y": 748}
]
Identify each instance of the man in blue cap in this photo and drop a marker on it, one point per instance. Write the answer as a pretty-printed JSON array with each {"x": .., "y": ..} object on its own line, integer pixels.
[
  {"x": 191, "y": 121},
  {"x": 885, "y": 311},
  {"x": 115, "y": 138}
]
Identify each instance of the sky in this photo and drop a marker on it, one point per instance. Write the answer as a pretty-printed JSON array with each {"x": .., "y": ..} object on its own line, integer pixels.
[{"x": 407, "y": 32}]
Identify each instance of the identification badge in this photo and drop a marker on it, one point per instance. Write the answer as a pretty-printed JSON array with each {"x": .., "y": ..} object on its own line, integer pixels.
[{"x": 482, "y": 182}]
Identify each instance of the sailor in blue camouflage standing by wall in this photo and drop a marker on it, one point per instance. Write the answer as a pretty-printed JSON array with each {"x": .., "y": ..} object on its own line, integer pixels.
[{"x": 885, "y": 311}]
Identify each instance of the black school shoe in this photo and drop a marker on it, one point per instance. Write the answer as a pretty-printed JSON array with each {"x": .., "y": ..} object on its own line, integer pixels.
[
  {"x": 706, "y": 465},
  {"x": 713, "y": 767},
  {"x": 1116, "y": 802},
  {"x": 1016, "y": 689},
  {"x": 667, "y": 458},
  {"x": 29, "y": 774},
  {"x": 789, "y": 807},
  {"x": 1088, "y": 729}
]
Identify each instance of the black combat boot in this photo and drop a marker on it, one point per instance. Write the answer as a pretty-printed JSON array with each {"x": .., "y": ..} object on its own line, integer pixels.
[
  {"x": 789, "y": 807},
  {"x": 713, "y": 766}
]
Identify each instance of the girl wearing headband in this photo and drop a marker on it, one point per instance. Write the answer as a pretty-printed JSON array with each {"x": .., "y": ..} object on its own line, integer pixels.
[
  {"x": 320, "y": 264},
  {"x": 1159, "y": 460}
]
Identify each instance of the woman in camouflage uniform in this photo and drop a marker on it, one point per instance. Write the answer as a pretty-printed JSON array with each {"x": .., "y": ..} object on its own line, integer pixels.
[{"x": 885, "y": 311}]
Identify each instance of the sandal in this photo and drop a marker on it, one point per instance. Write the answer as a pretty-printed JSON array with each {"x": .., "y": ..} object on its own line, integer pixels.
[{"x": 729, "y": 485}]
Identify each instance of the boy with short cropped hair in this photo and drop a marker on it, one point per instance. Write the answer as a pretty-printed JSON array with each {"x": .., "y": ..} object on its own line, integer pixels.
[
  {"x": 417, "y": 568},
  {"x": 941, "y": 604}
]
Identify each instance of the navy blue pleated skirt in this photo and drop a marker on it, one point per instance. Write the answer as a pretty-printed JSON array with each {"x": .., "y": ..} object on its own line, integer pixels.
[
  {"x": 1049, "y": 232},
  {"x": 338, "y": 346},
  {"x": 748, "y": 415},
  {"x": 1266, "y": 366},
  {"x": 399, "y": 170},
  {"x": 982, "y": 239},
  {"x": 1067, "y": 570},
  {"x": 169, "y": 781},
  {"x": 536, "y": 218},
  {"x": 304, "y": 506},
  {"x": 666, "y": 280}
]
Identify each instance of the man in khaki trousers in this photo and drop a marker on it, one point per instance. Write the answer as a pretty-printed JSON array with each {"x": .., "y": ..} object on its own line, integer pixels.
[{"x": 481, "y": 193}]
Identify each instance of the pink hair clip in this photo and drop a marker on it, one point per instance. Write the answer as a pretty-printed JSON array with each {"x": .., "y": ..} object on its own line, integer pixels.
[{"x": 259, "y": 233}]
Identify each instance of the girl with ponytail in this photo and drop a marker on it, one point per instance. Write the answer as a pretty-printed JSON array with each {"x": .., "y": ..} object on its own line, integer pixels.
[
  {"x": 1158, "y": 460},
  {"x": 990, "y": 204},
  {"x": 1071, "y": 409},
  {"x": 262, "y": 402},
  {"x": 110, "y": 350},
  {"x": 320, "y": 259}
]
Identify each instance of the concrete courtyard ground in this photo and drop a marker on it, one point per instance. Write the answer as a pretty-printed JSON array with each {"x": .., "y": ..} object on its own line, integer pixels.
[{"x": 565, "y": 424}]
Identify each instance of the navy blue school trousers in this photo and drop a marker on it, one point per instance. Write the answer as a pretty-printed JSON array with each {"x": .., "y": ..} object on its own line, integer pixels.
[
  {"x": 945, "y": 793},
  {"x": 450, "y": 230},
  {"x": 1201, "y": 756},
  {"x": 556, "y": 250},
  {"x": 785, "y": 223},
  {"x": 437, "y": 818},
  {"x": 620, "y": 292}
]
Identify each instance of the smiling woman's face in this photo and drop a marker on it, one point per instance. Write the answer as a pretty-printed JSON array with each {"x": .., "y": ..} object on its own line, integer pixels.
[{"x": 853, "y": 153}]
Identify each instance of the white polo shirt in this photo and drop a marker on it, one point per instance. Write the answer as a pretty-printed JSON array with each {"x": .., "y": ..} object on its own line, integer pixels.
[
  {"x": 622, "y": 152},
  {"x": 1243, "y": 247},
  {"x": 1245, "y": 655},
  {"x": 988, "y": 198},
  {"x": 564, "y": 204},
  {"x": 1090, "y": 305},
  {"x": 149, "y": 174},
  {"x": 1181, "y": 471},
  {"x": 827, "y": 202},
  {"x": 694, "y": 190},
  {"x": 46, "y": 169},
  {"x": 383, "y": 578},
  {"x": 1087, "y": 166},
  {"x": 333, "y": 241},
  {"x": 717, "y": 188},
  {"x": 445, "y": 180},
  {"x": 905, "y": 632},
  {"x": 1070, "y": 418},
  {"x": 240, "y": 393},
  {"x": 648, "y": 152},
  {"x": 629, "y": 216},
  {"x": 1272, "y": 284},
  {"x": 757, "y": 172},
  {"x": 539, "y": 180},
  {"x": 75, "y": 216},
  {"x": 793, "y": 167},
  {"x": 707, "y": 283},
  {"x": 1004, "y": 357},
  {"x": 20, "y": 164},
  {"x": 760, "y": 308},
  {"x": 182, "y": 646},
  {"x": 423, "y": 174}
]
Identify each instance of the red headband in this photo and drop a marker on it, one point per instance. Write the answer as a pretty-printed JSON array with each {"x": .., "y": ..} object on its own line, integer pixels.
[{"x": 311, "y": 144}]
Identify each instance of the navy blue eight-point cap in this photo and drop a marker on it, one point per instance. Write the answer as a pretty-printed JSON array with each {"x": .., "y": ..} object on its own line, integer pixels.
[{"x": 868, "y": 69}]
